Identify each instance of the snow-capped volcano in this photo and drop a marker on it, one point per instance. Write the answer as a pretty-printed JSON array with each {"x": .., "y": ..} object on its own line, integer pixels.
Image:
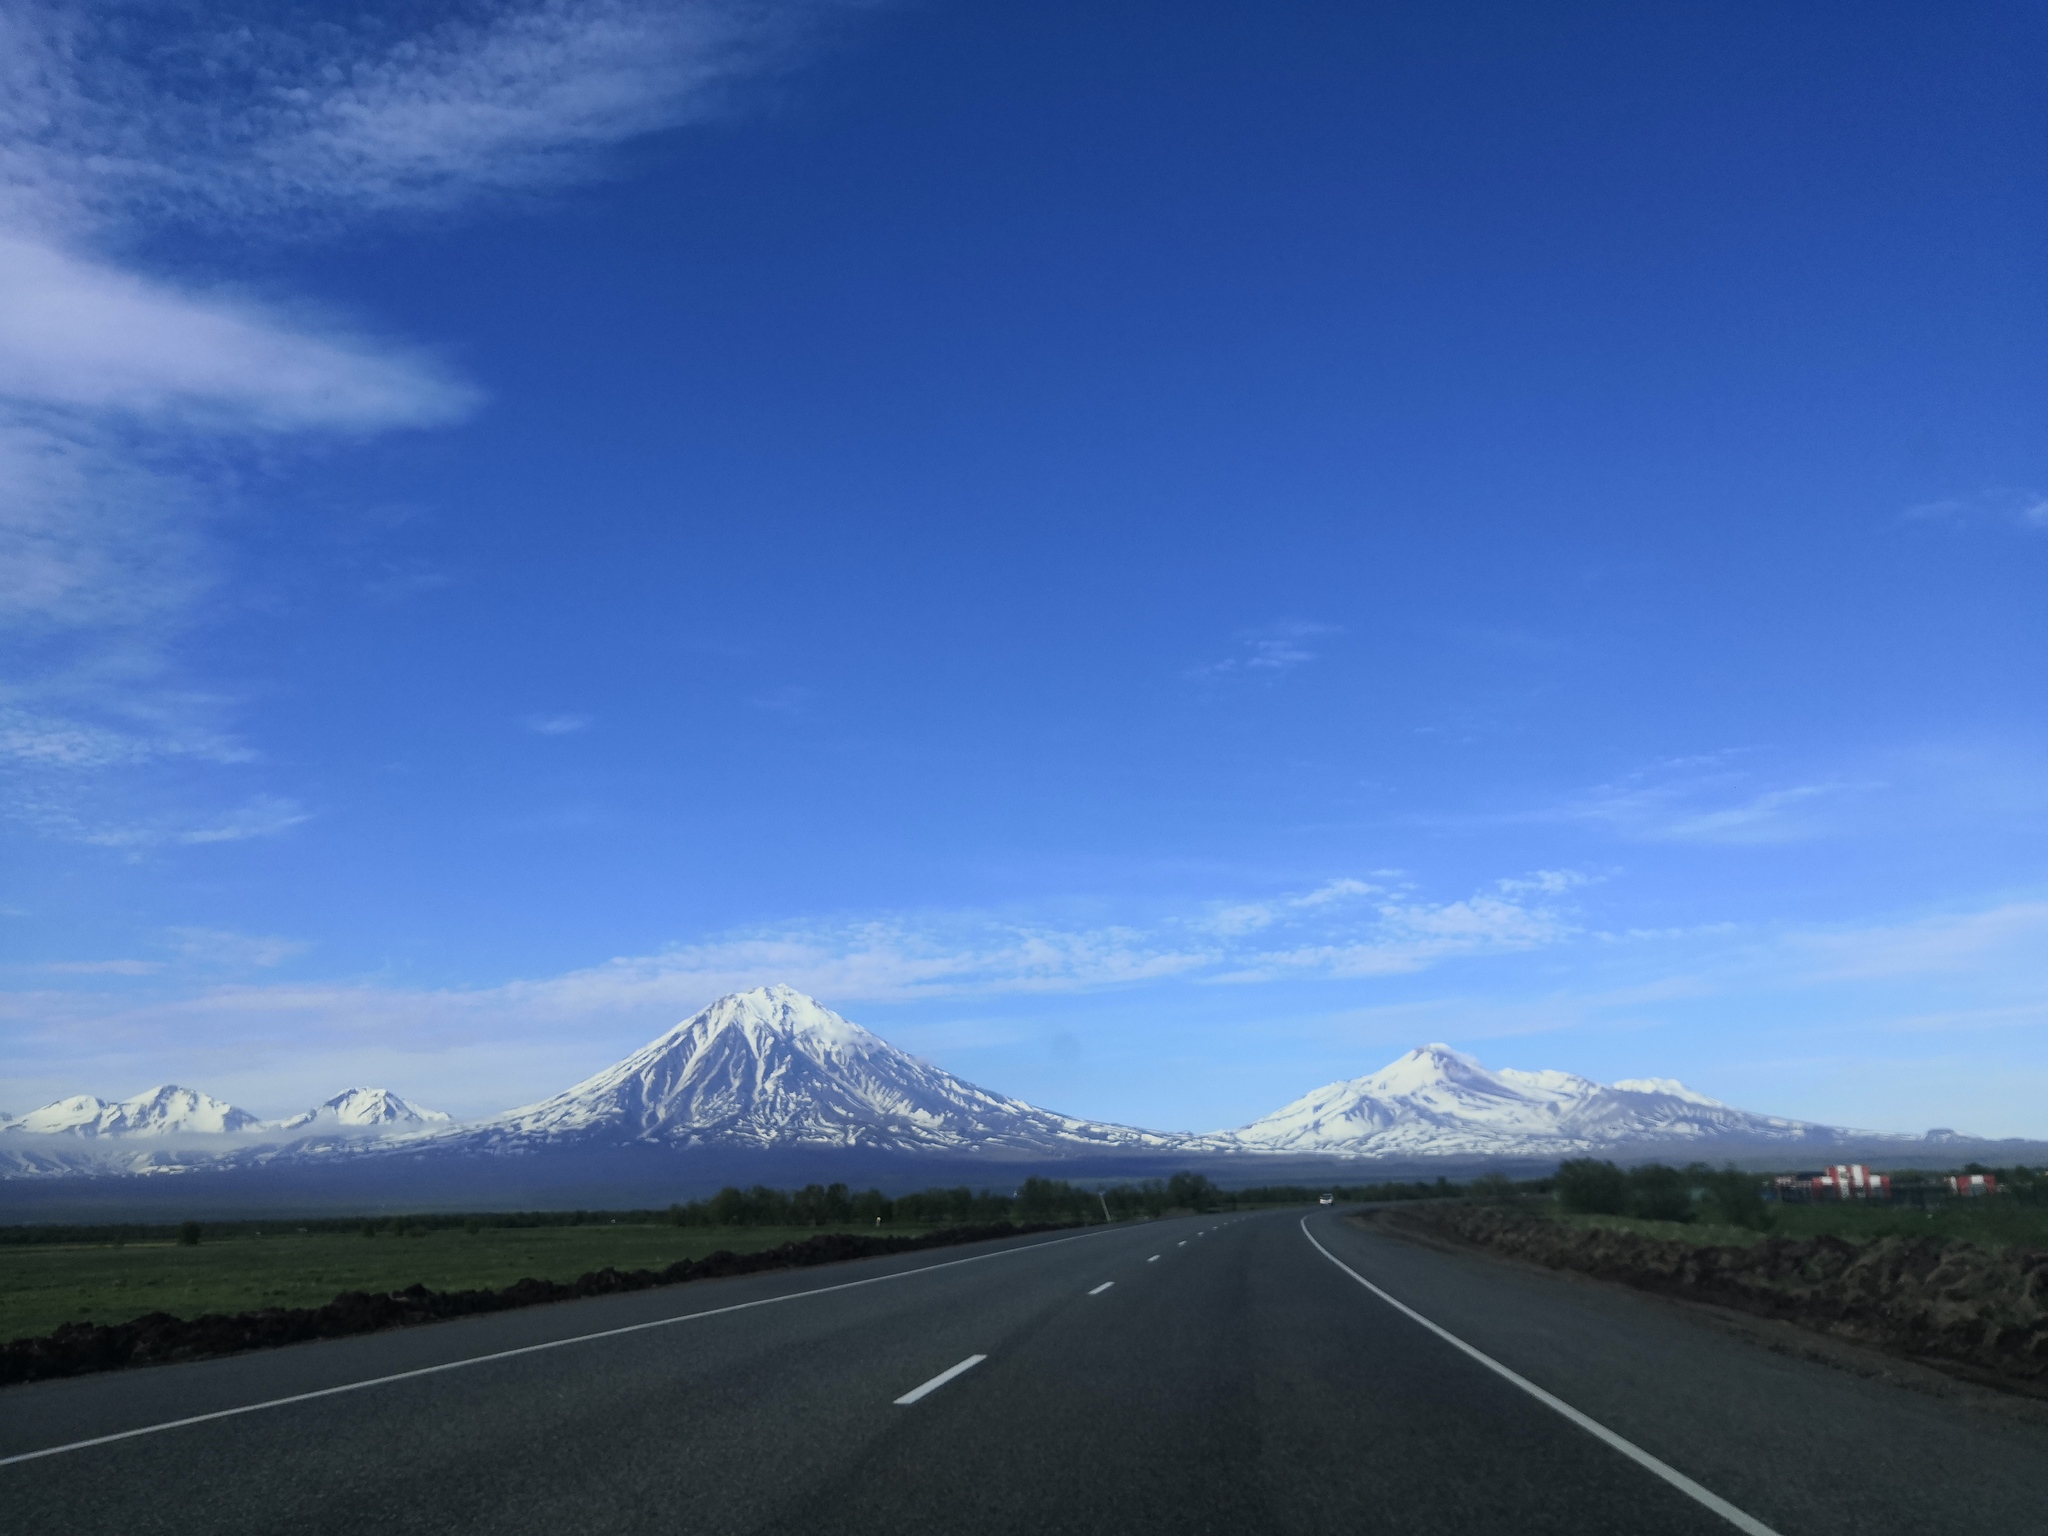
[
  {"x": 774, "y": 1071},
  {"x": 165, "y": 1111},
  {"x": 774, "y": 1068},
  {"x": 362, "y": 1109},
  {"x": 1436, "y": 1102}
]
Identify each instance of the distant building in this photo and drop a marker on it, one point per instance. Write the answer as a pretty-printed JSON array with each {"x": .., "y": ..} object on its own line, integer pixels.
[
  {"x": 1843, "y": 1181},
  {"x": 1854, "y": 1181}
]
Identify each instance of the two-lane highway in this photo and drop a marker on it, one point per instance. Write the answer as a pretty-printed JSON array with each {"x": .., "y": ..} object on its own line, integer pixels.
[{"x": 1252, "y": 1373}]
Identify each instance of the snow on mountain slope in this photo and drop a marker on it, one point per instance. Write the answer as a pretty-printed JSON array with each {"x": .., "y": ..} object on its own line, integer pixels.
[
  {"x": 774, "y": 1068},
  {"x": 362, "y": 1109},
  {"x": 168, "y": 1110},
  {"x": 1435, "y": 1101}
]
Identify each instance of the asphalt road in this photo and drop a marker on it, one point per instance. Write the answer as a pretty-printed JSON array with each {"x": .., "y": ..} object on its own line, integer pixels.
[{"x": 1199, "y": 1375}]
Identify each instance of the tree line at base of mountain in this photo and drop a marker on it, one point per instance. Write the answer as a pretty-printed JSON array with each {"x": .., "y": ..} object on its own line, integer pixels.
[
  {"x": 1725, "y": 1197},
  {"x": 1036, "y": 1199}
]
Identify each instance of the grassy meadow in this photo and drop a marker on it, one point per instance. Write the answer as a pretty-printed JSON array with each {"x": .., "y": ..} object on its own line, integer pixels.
[{"x": 45, "y": 1284}]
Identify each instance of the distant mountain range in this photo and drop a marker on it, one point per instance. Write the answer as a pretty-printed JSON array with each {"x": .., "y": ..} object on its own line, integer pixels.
[{"x": 771, "y": 1070}]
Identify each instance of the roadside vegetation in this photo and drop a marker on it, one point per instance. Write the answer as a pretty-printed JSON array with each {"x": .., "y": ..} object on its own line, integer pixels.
[
  {"x": 52, "y": 1275},
  {"x": 1707, "y": 1205},
  {"x": 1953, "y": 1280},
  {"x": 43, "y": 1285}
]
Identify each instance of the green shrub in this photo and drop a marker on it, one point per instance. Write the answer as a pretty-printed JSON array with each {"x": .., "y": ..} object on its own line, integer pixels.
[
  {"x": 1591, "y": 1187},
  {"x": 188, "y": 1234},
  {"x": 1659, "y": 1193},
  {"x": 1731, "y": 1198}
]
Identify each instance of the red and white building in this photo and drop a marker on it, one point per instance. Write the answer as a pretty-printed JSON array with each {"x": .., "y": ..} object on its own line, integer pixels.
[
  {"x": 1852, "y": 1181},
  {"x": 1844, "y": 1181}
]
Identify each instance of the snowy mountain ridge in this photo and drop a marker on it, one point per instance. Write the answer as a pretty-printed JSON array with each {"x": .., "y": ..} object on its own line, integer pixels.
[
  {"x": 172, "y": 1111},
  {"x": 1436, "y": 1102},
  {"x": 364, "y": 1108},
  {"x": 162, "y": 1111},
  {"x": 772, "y": 1069}
]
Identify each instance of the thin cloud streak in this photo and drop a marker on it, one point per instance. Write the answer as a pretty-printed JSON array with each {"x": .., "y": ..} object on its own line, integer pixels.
[
  {"x": 1272, "y": 651},
  {"x": 1707, "y": 800},
  {"x": 556, "y": 725},
  {"x": 479, "y": 1049}
]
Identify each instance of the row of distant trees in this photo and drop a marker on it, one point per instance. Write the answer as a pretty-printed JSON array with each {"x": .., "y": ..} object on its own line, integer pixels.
[
  {"x": 1725, "y": 1196},
  {"x": 1654, "y": 1190},
  {"x": 1037, "y": 1199}
]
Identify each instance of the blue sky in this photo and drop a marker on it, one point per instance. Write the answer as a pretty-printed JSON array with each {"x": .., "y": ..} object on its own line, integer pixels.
[{"x": 1156, "y": 555}]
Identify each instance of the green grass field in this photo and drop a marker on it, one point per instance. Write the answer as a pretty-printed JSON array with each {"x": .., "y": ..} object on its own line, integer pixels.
[
  {"x": 1992, "y": 1223},
  {"x": 44, "y": 1285}
]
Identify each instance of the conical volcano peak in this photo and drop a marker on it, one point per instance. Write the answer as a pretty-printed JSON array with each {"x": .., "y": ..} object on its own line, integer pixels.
[
  {"x": 779, "y": 1010},
  {"x": 1425, "y": 1067},
  {"x": 772, "y": 1067}
]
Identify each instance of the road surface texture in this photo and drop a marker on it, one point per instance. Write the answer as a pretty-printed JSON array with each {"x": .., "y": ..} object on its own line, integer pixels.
[{"x": 1231, "y": 1374}]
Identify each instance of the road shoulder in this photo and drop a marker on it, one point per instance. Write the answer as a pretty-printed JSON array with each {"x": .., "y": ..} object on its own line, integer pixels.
[{"x": 1774, "y": 1335}]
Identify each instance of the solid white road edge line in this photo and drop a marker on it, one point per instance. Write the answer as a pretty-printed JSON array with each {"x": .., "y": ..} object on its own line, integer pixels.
[
  {"x": 1102, "y": 1287},
  {"x": 1748, "y": 1524},
  {"x": 528, "y": 1349},
  {"x": 939, "y": 1380}
]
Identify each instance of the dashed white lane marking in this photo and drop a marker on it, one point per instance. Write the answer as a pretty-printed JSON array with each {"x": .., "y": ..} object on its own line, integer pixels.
[
  {"x": 1153, "y": 1260},
  {"x": 939, "y": 1380},
  {"x": 1102, "y": 1287},
  {"x": 1748, "y": 1524},
  {"x": 533, "y": 1349},
  {"x": 1182, "y": 1243}
]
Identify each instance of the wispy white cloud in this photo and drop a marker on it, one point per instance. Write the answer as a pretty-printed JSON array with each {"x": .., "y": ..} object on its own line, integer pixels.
[
  {"x": 228, "y": 949},
  {"x": 80, "y": 334},
  {"x": 1708, "y": 800},
  {"x": 258, "y": 113},
  {"x": 1400, "y": 934},
  {"x": 2009, "y": 505},
  {"x": 1250, "y": 917},
  {"x": 1272, "y": 650},
  {"x": 264, "y": 816},
  {"x": 1932, "y": 945},
  {"x": 103, "y": 967},
  {"x": 790, "y": 700},
  {"x": 556, "y": 725},
  {"x": 1341, "y": 928},
  {"x": 123, "y": 391},
  {"x": 1791, "y": 1007},
  {"x": 194, "y": 950}
]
